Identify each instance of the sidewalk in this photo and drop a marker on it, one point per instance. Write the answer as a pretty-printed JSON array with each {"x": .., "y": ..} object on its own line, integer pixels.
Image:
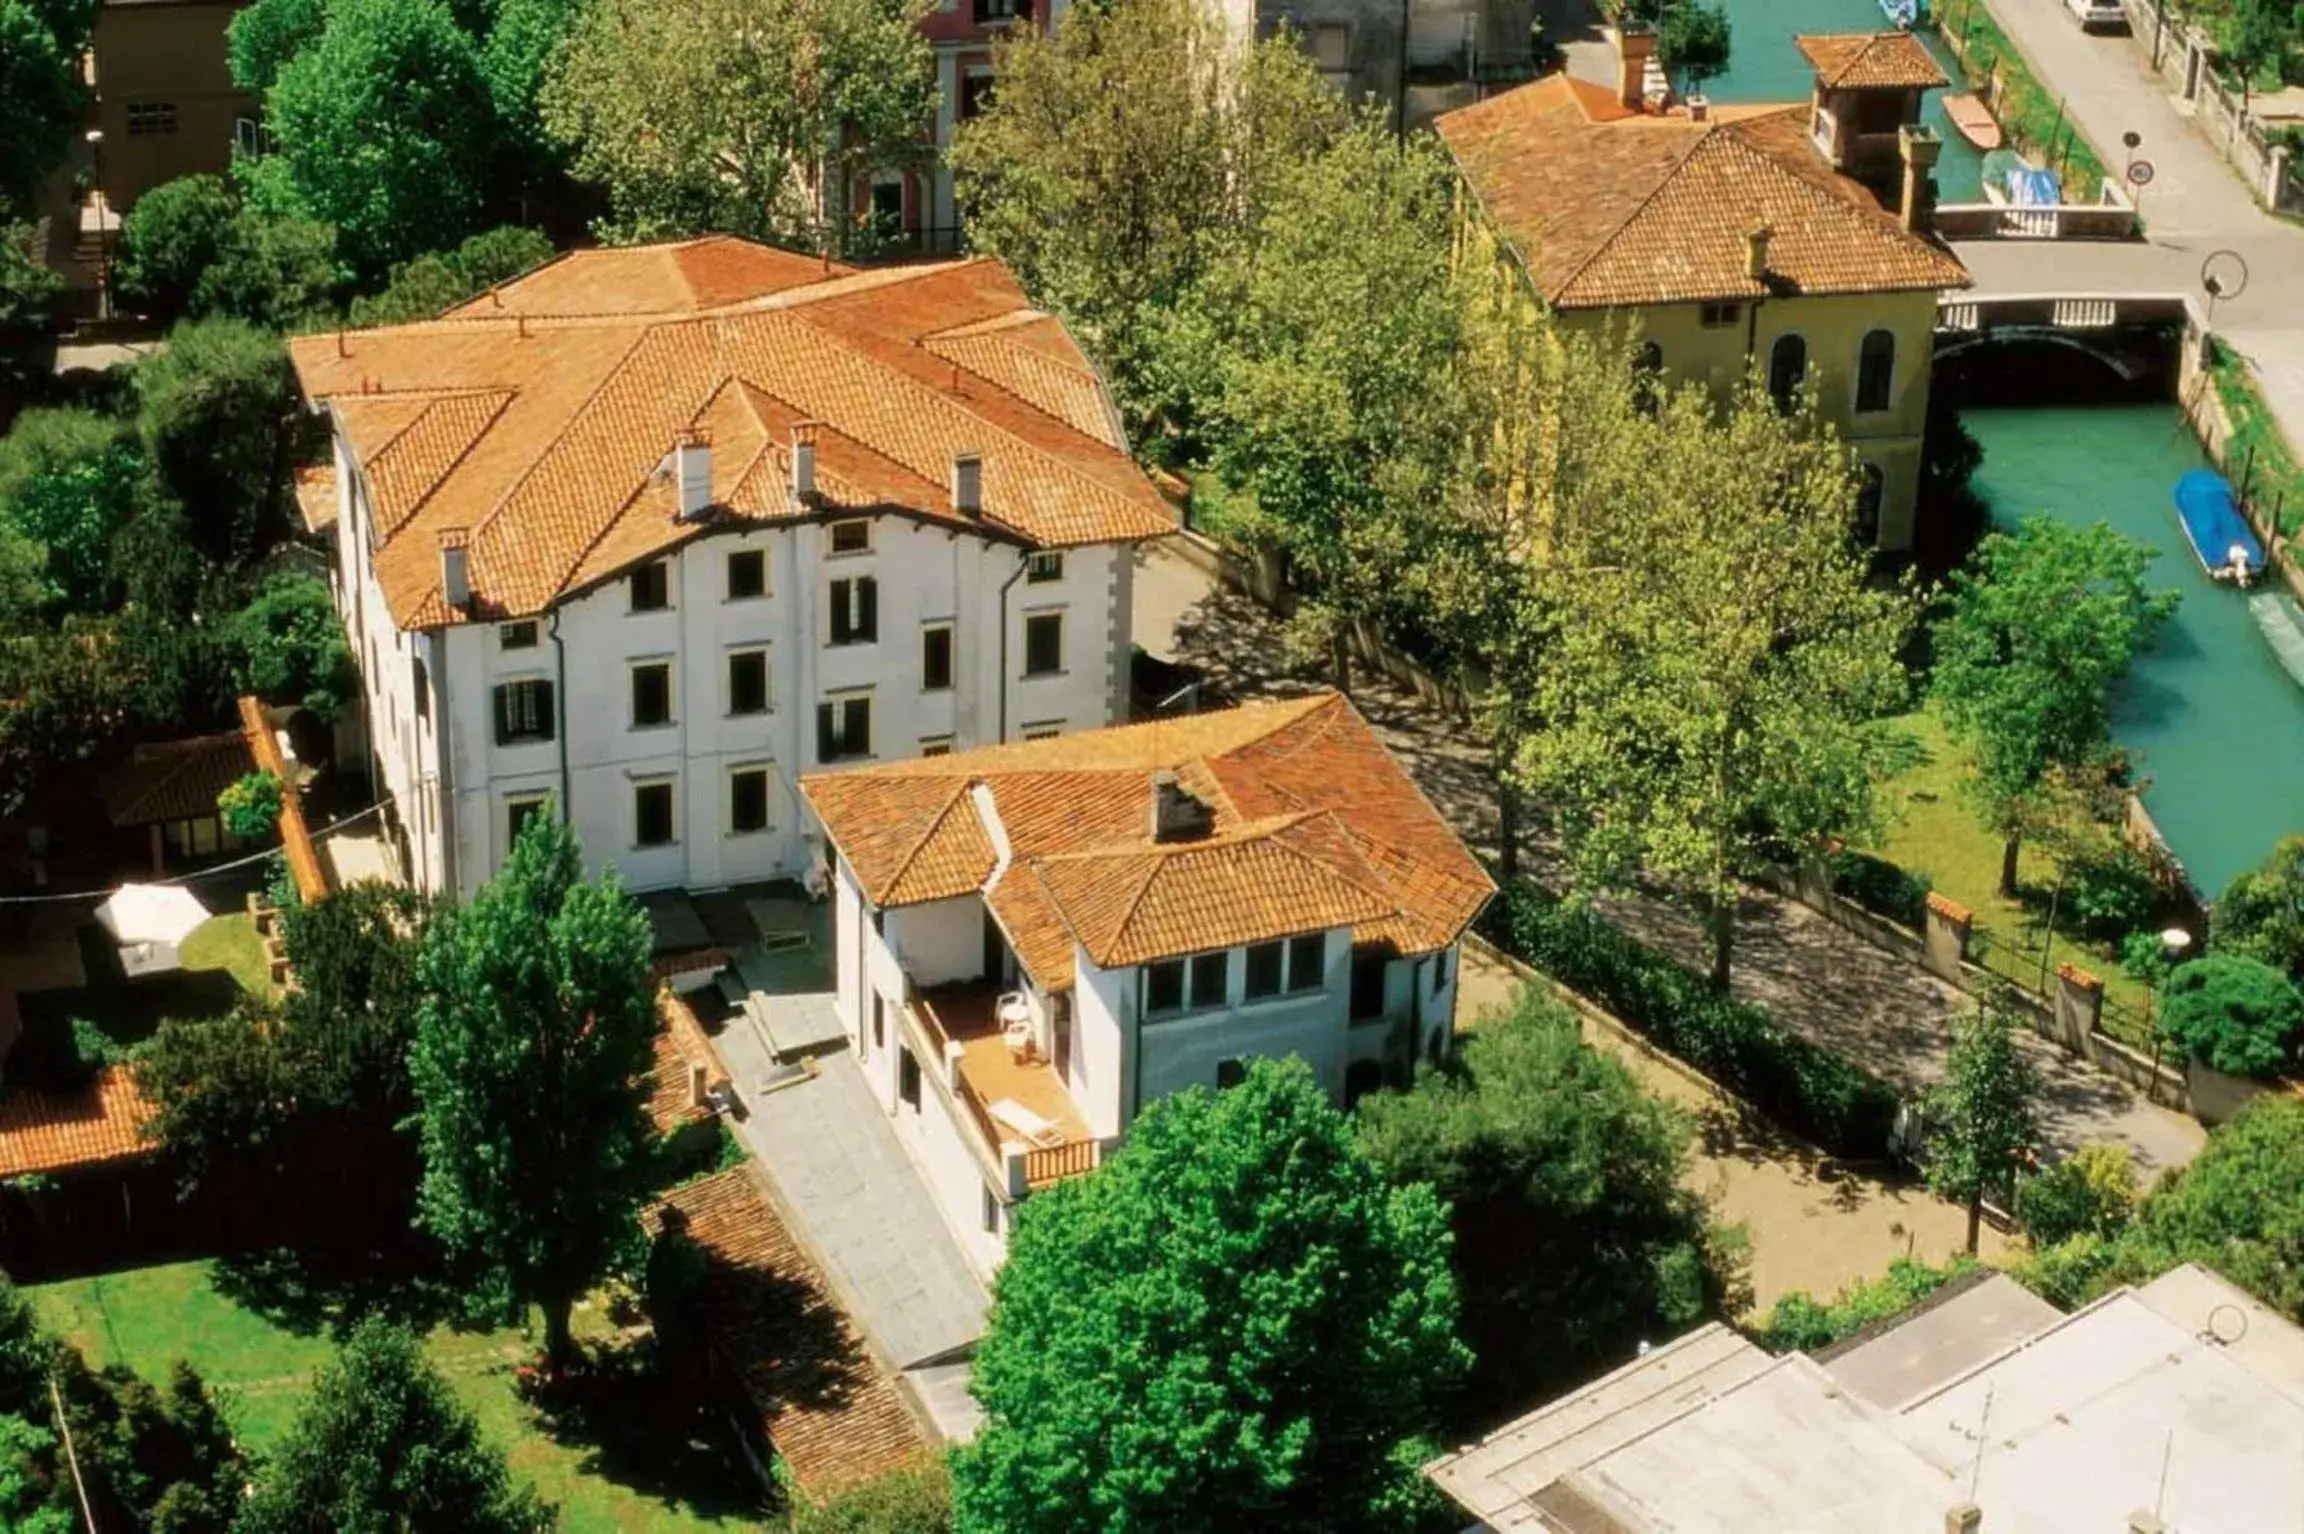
[{"x": 1824, "y": 982}]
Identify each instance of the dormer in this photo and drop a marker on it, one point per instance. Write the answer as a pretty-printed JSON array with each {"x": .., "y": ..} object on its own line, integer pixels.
[{"x": 1869, "y": 89}]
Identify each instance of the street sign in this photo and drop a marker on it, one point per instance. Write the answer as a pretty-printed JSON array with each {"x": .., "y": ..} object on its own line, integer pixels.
[{"x": 2140, "y": 173}]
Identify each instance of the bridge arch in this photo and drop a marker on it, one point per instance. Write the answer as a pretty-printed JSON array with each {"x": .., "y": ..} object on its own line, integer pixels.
[{"x": 2099, "y": 345}]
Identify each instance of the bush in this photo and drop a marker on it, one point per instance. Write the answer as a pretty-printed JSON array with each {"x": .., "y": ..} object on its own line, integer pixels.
[
  {"x": 2233, "y": 1014},
  {"x": 1806, "y": 1089},
  {"x": 2262, "y": 911},
  {"x": 2090, "y": 1192},
  {"x": 432, "y": 284},
  {"x": 1880, "y": 887},
  {"x": 250, "y": 807},
  {"x": 1800, "y": 1324},
  {"x": 62, "y": 1058},
  {"x": 2073, "y": 1271},
  {"x": 910, "y": 1501},
  {"x": 2112, "y": 896}
]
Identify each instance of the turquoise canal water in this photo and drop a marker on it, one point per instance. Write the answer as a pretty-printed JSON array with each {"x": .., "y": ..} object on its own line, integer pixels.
[
  {"x": 1764, "y": 66},
  {"x": 2208, "y": 713}
]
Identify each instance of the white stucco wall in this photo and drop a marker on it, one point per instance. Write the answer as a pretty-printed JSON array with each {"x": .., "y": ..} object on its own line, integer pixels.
[{"x": 941, "y": 941}]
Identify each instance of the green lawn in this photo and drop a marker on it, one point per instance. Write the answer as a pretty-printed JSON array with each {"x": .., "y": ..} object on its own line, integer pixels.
[
  {"x": 229, "y": 943},
  {"x": 630, "y": 1467},
  {"x": 1933, "y": 830}
]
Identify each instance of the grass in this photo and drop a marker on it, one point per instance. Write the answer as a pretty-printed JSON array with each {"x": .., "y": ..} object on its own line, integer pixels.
[
  {"x": 634, "y": 1467},
  {"x": 231, "y": 944},
  {"x": 2256, "y": 444},
  {"x": 1933, "y": 830},
  {"x": 2031, "y": 116}
]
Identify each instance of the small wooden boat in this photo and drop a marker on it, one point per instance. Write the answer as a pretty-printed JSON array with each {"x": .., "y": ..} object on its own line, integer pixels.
[{"x": 1973, "y": 120}]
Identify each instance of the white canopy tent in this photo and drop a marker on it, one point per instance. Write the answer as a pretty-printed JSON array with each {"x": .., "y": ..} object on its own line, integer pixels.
[{"x": 148, "y": 921}]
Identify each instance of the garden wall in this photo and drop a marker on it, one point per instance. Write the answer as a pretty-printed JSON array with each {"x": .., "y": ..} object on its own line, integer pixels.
[{"x": 2185, "y": 58}]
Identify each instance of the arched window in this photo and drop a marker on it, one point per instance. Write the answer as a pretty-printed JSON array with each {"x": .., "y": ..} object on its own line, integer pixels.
[
  {"x": 1787, "y": 366},
  {"x": 1875, "y": 370},
  {"x": 1869, "y": 492},
  {"x": 1647, "y": 377}
]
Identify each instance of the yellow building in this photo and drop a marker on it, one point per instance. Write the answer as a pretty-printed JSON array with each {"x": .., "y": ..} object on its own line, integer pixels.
[
  {"x": 1791, "y": 237},
  {"x": 164, "y": 94}
]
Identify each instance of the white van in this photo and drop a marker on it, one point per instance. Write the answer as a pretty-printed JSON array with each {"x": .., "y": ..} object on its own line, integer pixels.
[{"x": 2097, "y": 13}]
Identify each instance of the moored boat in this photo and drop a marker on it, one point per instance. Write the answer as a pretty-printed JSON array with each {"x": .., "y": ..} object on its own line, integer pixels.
[
  {"x": 1972, "y": 119},
  {"x": 2220, "y": 536},
  {"x": 1901, "y": 13}
]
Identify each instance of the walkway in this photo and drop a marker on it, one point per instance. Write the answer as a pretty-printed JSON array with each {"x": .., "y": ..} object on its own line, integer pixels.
[
  {"x": 1823, "y": 981},
  {"x": 2196, "y": 204}
]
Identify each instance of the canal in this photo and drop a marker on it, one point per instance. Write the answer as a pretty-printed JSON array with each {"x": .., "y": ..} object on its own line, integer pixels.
[{"x": 2208, "y": 714}]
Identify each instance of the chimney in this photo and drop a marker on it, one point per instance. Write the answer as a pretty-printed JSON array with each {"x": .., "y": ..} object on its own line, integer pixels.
[
  {"x": 455, "y": 569},
  {"x": 699, "y": 1090},
  {"x": 1919, "y": 146},
  {"x": 803, "y": 462},
  {"x": 968, "y": 484},
  {"x": 692, "y": 469},
  {"x": 1635, "y": 46},
  {"x": 1756, "y": 253},
  {"x": 1963, "y": 1518},
  {"x": 1177, "y": 816}
]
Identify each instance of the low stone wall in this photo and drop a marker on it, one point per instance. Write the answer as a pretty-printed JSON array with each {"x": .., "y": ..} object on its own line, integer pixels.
[{"x": 2185, "y": 58}]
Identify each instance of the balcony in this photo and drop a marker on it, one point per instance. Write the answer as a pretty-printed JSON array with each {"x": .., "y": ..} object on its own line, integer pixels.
[{"x": 1010, "y": 1101}]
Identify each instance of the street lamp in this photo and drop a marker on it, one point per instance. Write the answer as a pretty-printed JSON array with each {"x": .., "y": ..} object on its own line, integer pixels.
[{"x": 95, "y": 138}]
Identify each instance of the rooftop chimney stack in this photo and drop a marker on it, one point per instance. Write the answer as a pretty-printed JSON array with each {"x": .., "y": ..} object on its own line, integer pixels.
[
  {"x": 455, "y": 569},
  {"x": 692, "y": 468},
  {"x": 1919, "y": 146},
  {"x": 968, "y": 484},
  {"x": 1963, "y": 1518},
  {"x": 1177, "y": 814},
  {"x": 803, "y": 464},
  {"x": 1635, "y": 46},
  {"x": 699, "y": 1088},
  {"x": 1756, "y": 253}
]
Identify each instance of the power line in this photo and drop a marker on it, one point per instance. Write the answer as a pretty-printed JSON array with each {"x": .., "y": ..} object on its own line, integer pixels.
[{"x": 198, "y": 873}]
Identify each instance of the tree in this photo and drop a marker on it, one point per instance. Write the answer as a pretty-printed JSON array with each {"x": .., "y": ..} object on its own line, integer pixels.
[
  {"x": 534, "y": 1040},
  {"x": 353, "y": 1012},
  {"x": 382, "y": 127},
  {"x": 42, "y": 98},
  {"x": 2255, "y": 36},
  {"x": 29, "y": 287},
  {"x": 1982, "y": 1127},
  {"x": 190, "y": 248},
  {"x": 383, "y": 1445},
  {"x": 1575, "y": 1238},
  {"x": 2233, "y": 1014},
  {"x": 1693, "y": 40},
  {"x": 219, "y": 411},
  {"x": 1119, "y": 157},
  {"x": 266, "y": 35},
  {"x": 432, "y": 284},
  {"x": 515, "y": 59},
  {"x": 2239, "y": 1208},
  {"x": 70, "y": 483},
  {"x": 1707, "y": 702},
  {"x": 2091, "y": 1191},
  {"x": 754, "y": 117},
  {"x": 287, "y": 645},
  {"x": 2262, "y": 912},
  {"x": 1233, "y": 1323},
  {"x": 249, "y": 806},
  {"x": 169, "y": 238},
  {"x": 2038, "y": 632}
]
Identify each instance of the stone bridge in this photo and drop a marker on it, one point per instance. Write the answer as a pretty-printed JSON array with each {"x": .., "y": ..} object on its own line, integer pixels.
[{"x": 2133, "y": 334}]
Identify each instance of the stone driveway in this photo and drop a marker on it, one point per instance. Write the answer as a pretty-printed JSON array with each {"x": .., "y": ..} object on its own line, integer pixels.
[{"x": 1824, "y": 982}]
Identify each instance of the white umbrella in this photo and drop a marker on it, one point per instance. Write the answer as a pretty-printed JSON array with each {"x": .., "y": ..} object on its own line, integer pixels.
[{"x": 151, "y": 913}]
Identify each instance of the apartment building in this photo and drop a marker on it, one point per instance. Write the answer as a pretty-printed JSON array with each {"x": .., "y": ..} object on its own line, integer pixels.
[
  {"x": 653, "y": 530},
  {"x": 1034, "y": 941}
]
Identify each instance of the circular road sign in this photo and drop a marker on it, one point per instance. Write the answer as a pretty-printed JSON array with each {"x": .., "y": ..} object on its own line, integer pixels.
[{"x": 2139, "y": 172}]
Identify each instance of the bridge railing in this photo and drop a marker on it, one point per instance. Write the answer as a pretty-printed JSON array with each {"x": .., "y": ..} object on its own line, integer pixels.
[{"x": 2112, "y": 218}]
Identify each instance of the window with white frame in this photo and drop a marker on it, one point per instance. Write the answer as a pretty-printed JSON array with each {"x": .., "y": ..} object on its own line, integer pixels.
[
  {"x": 747, "y": 574},
  {"x": 844, "y": 727},
  {"x": 855, "y": 610},
  {"x": 523, "y": 711},
  {"x": 652, "y": 819},
  {"x": 748, "y": 680},
  {"x": 1043, "y": 643},
  {"x": 651, "y": 694},
  {"x": 748, "y": 800}
]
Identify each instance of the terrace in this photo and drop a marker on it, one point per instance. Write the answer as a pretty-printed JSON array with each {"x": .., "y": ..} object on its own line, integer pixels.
[{"x": 1014, "y": 1101}]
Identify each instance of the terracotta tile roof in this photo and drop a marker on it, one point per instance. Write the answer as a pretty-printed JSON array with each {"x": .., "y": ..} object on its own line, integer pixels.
[
  {"x": 834, "y": 1416},
  {"x": 175, "y": 779},
  {"x": 1313, "y": 826},
  {"x": 316, "y": 496},
  {"x": 537, "y": 422},
  {"x": 681, "y": 1045},
  {"x": 65, "y": 1131},
  {"x": 1610, "y": 208},
  {"x": 1872, "y": 61}
]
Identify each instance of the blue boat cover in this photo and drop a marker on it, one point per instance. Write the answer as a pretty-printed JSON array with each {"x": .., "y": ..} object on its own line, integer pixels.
[
  {"x": 2034, "y": 189},
  {"x": 2213, "y": 522}
]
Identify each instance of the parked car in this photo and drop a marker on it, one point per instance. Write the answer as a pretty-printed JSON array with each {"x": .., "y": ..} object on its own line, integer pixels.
[{"x": 2097, "y": 13}]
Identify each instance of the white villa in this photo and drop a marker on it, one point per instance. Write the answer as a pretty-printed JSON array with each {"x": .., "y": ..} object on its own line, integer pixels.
[
  {"x": 653, "y": 530},
  {"x": 1033, "y": 941}
]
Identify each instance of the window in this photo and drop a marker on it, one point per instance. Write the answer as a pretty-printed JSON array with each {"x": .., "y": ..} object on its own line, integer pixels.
[
  {"x": 1043, "y": 567},
  {"x": 1875, "y": 369},
  {"x": 988, "y": 11},
  {"x": 1211, "y": 973},
  {"x": 935, "y": 745},
  {"x": 935, "y": 657},
  {"x": 748, "y": 681},
  {"x": 879, "y": 1021},
  {"x": 1229, "y": 1074},
  {"x": 651, "y": 695},
  {"x": 1307, "y": 961},
  {"x": 1368, "y": 965},
  {"x": 651, "y": 587},
  {"x": 747, "y": 800},
  {"x": 1647, "y": 377},
  {"x": 991, "y": 1213},
  {"x": 1046, "y": 729},
  {"x": 517, "y": 813},
  {"x": 248, "y": 136},
  {"x": 1719, "y": 316},
  {"x": 975, "y": 93},
  {"x": 151, "y": 119},
  {"x": 1869, "y": 491},
  {"x": 423, "y": 684},
  {"x": 844, "y": 728},
  {"x": 908, "y": 1078},
  {"x": 1331, "y": 48},
  {"x": 1787, "y": 367},
  {"x": 852, "y": 537},
  {"x": 517, "y": 636},
  {"x": 1265, "y": 963},
  {"x": 747, "y": 574},
  {"x": 1440, "y": 972},
  {"x": 887, "y": 209},
  {"x": 523, "y": 711},
  {"x": 1043, "y": 644},
  {"x": 1164, "y": 987},
  {"x": 652, "y": 814},
  {"x": 855, "y": 610}
]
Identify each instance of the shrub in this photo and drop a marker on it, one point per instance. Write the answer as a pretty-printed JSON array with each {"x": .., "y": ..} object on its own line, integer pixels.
[
  {"x": 1800, "y": 1324},
  {"x": 2233, "y": 1014},
  {"x": 917, "y": 1500},
  {"x": 250, "y": 807},
  {"x": 2112, "y": 896},
  {"x": 2262, "y": 911},
  {"x": 63, "y": 1057},
  {"x": 1880, "y": 887},
  {"x": 1805, "y": 1088},
  {"x": 2092, "y": 1192},
  {"x": 2071, "y": 1272}
]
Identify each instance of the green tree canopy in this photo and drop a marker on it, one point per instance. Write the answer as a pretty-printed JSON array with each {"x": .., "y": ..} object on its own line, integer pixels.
[
  {"x": 287, "y": 645},
  {"x": 1693, "y": 42},
  {"x": 191, "y": 249},
  {"x": 533, "y": 1046},
  {"x": 432, "y": 284},
  {"x": 42, "y": 98},
  {"x": 1574, "y": 1236},
  {"x": 382, "y": 127},
  {"x": 383, "y": 1446},
  {"x": 220, "y": 414},
  {"x": 2039, "y": 630},
  {"x": 169, "y": 238},
  {"x": 2262, "y": 912},
  {"x": 2238, "y": 1208},
  {"x": 69, "y": 482},
  {"x": 1234, "y": 1323},
  {"x": 266, "y": 35},
  {"x": 755, "y": 117},
  {"x": 1983, "y": 1126},
  {"x": 2233, "y": 1014}
]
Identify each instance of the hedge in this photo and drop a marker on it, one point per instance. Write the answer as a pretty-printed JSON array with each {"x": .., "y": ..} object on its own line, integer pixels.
[
  {"x": 1881, "y": 887},
  {"x": 1805, "y": 1088}
]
